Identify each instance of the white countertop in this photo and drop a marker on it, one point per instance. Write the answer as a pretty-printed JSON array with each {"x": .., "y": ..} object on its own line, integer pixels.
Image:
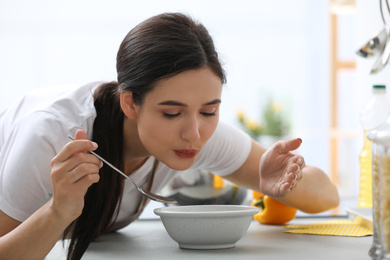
[{"x": 147, "y": 239}]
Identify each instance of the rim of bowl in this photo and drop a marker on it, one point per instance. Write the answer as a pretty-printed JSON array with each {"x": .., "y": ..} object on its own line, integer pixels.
[{"x": 206, "y": 210}]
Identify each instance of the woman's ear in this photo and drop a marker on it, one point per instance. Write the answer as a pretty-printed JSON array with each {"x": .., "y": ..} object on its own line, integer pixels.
[{"x": 127, "y": 104}]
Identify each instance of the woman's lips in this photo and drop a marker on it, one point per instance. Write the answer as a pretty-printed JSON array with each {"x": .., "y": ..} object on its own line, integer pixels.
[{"x": 186, "y": 153}]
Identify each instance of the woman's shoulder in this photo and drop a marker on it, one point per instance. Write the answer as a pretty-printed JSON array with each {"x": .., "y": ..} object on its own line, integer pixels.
[
  {"x": 229, "y": 133},
  {"x": 69, "y": 104},
  {"x": 226, "y": 150},
  {"x": 56, "y": 112}
]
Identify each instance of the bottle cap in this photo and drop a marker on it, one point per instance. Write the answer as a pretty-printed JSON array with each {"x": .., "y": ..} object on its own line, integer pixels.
[{"x": 379, "y": 86}]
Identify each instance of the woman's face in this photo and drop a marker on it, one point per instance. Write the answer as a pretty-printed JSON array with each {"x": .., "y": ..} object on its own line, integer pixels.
[{"x": 179, "y": 116}]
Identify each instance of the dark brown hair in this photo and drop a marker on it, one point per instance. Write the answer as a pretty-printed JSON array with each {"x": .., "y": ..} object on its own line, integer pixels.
[{"x": 160, "y": 47}]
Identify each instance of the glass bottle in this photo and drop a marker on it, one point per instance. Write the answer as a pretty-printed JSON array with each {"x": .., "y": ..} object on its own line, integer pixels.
[
  {"x": 380, "y": 138},
  {"x": 376, "y": 246},
  {"x": 373, "y": 115}
]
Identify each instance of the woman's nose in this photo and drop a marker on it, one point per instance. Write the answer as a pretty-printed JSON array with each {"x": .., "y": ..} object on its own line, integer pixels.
[{"x": 190, "y": 130}]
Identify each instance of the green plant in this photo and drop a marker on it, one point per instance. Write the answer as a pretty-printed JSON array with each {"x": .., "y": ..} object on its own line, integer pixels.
[
  {"x": 273, "y": 121},
  {"x": 253, "y": 128}
]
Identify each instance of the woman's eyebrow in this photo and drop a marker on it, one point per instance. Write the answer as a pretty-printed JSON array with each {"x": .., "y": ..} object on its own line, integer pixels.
[
  {"x": 215, "y": 101},
  {"x": 172, "y": 103},
  {"x": 180, "y": 104}
]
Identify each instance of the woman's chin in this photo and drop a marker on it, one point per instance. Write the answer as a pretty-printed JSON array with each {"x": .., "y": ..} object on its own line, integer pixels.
[{"x": 182, "y": 166}]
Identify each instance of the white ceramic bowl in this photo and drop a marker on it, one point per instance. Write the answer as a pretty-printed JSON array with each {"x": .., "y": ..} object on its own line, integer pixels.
[{"x": 206, "y": 226}]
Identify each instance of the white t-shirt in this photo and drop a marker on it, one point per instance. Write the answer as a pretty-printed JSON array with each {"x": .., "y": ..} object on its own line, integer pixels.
[{"x": 35, "y": 128}]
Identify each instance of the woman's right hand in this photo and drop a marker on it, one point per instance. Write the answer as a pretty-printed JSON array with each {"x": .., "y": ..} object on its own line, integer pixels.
[{"x": 73, "y": 171}]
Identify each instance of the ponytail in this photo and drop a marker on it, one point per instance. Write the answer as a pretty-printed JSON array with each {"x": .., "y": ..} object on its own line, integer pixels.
[{"x": 103, "y": 198}]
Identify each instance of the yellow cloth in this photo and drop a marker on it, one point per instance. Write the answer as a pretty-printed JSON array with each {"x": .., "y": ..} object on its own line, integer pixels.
[{"x": 356, "y": 228}]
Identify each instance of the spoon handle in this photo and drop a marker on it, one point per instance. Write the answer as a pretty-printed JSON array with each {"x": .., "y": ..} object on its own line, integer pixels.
[
  {"x": 146, "y": 193},
  {"x": 109, "y": 164}
]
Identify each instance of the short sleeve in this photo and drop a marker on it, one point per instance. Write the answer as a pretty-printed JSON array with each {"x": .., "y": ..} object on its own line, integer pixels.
[
  {"x": 225, "y": 152},
  {"x": 25, "y": 183}
]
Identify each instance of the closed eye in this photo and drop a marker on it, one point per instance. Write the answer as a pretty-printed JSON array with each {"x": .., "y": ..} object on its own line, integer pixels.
[
  {"x": 167, "y": 115},
  {"x": 207, "y": 114}
]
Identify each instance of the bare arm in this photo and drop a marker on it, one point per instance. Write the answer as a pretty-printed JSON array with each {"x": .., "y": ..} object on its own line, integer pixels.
[
  {"x": 73, "y": 171},
  {"x": 32, "y": 239},
  {"x": 312, "y": 192}
]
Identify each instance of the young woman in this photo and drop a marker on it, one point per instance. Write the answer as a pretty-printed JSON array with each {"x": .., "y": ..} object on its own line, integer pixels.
[{"x": 163, "y": 108}]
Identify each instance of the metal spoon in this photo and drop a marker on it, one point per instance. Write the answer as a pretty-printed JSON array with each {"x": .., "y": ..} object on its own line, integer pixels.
[
  {"x": 381, "y": 62},
  {"x": 375, "y": 45},
  {"x": 146, "y": 193}
]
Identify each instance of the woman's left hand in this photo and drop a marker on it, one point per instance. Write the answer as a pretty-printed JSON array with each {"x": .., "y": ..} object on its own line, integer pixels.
[{"x": 280, "y": 169}]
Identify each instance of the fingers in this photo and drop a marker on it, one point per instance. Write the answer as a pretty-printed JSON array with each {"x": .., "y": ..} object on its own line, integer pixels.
[
  {"x": 80, "y": 134},
  {"x": 301, "y": 162},
  {"x": 75, "y": 168},
  {"x": 73, "y": 171},
  {"x": 284, "y": 189},
  {"x": 289, "y": 145},
  {"x": 85, "y": 174},
  {"x": 293, "y": 176},
  {"x": 81, "y": 165},
  {"x": 296, "y": 166},
  {"x": 73, "y": 159},
  {"x": 280, "y": 169},
  {"x": 74, "y": 147},
  {"x": 291, "y": 179}
]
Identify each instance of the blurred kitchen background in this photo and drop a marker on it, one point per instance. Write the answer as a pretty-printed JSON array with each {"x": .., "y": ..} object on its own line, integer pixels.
[{"x": 297, "y": 57}]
